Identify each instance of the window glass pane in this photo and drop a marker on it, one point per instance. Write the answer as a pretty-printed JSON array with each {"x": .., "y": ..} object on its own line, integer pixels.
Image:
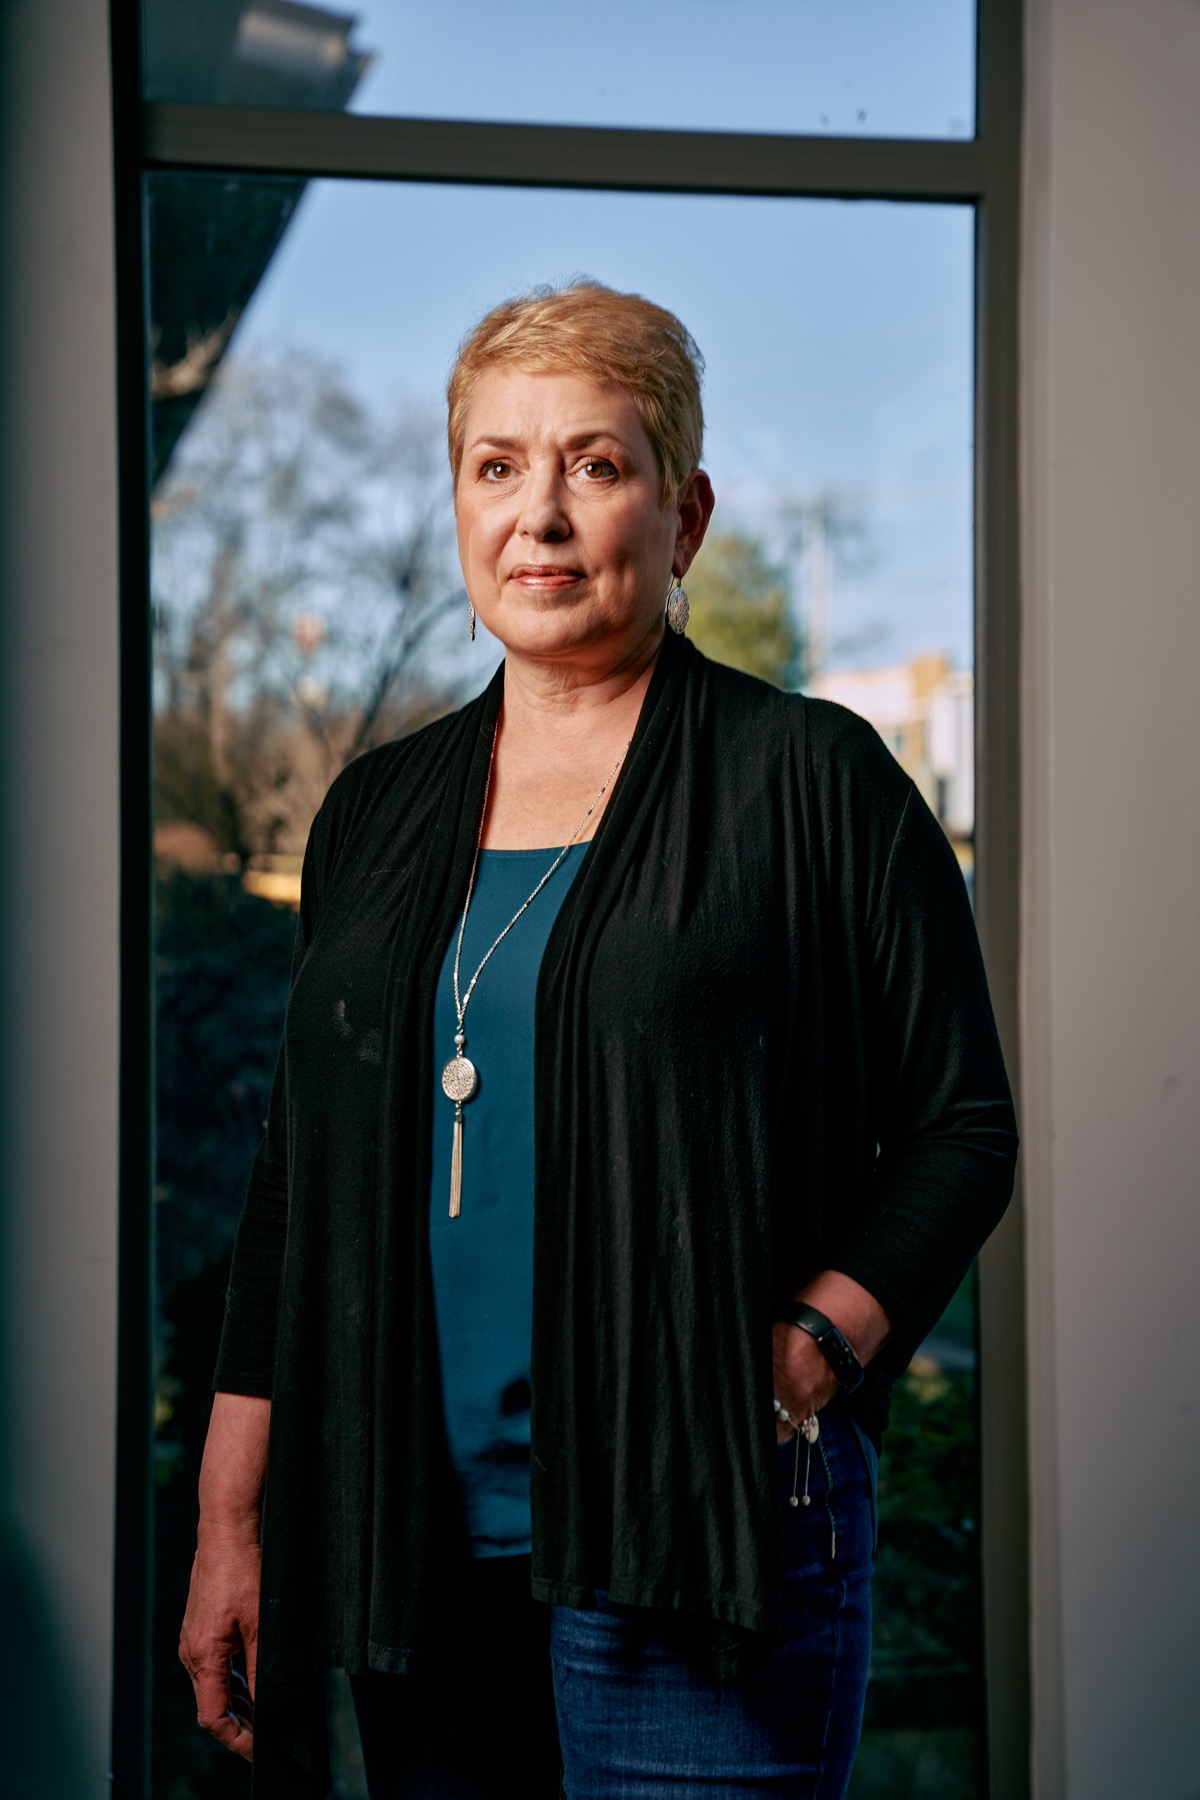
[
  {"x": 860, "y": 68},
  {"x": 308, "y": 603}
]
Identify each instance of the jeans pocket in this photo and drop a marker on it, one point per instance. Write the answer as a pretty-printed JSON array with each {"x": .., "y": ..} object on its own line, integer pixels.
[
  {"x": 809, "y": 1477},
  {"x": 870, "y": 1458},
  {"x": 833, "y": 1485}
]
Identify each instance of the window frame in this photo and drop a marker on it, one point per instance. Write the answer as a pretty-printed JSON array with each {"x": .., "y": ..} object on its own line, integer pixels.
[{"x": 983, "y": 171}]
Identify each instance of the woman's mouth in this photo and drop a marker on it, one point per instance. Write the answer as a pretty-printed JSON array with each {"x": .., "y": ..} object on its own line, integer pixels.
[{"x": 547, "y": 576}]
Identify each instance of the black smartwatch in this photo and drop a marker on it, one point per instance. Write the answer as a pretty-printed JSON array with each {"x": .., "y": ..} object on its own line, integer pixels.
[{"x": 829, "y": 1342}]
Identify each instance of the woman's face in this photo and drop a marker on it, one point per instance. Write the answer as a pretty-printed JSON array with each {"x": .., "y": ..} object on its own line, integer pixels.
[{"x": 566, "y": 547}]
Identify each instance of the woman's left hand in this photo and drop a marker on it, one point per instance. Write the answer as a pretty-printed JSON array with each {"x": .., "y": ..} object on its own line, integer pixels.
[{"x": 804, "y": 1381}]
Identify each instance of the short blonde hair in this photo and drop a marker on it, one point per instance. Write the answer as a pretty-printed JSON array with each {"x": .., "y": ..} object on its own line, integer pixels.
[{"x": 620, "y": 340}]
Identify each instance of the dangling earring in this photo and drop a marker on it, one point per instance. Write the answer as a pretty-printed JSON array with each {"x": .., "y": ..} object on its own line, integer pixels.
[
  {"x": 471, "y": 607},
  {"x": 678, "y": 609}
]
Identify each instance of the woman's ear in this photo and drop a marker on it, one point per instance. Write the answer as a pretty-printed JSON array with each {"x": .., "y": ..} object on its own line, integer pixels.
[{"x": 695, "y": 507}]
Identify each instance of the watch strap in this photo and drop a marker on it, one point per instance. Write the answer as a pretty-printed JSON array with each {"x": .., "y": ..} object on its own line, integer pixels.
[{"x": 829, "y": 1341}]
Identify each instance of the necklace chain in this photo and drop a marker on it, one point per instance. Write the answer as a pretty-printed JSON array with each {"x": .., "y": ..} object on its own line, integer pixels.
[
  {"x": 460, "y": 1004},
  {"x": 460, "y": 1077}
]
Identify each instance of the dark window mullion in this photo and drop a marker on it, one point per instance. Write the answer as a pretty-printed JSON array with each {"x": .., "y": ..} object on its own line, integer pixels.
[
  {"x": 273, "y": 141},
  {"x": 1004, "y": 1484}
]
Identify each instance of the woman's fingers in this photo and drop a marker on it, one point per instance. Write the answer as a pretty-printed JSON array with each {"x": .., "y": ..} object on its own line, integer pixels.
[
  {"x": 241, "y": 1700},
  {"x": 218, "y": 1644},
  {"x": 219, "y": 1709},
  {"x": 804, "y": 1382}
]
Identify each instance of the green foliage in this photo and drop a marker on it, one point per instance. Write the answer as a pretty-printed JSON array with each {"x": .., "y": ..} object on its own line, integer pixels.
[
  {"x": 741, "y": 613},
  {"x": 923, "y": 1726},
  {"x": 917, "y": 1765},
  {"x": 223, "y": 958},
  {"x": 926, "y": 1580}
]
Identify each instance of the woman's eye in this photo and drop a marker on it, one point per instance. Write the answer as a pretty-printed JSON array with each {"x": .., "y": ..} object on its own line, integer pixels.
[
  {"x": 598, "y": 468},
  {"x": 496, "y": 470}
]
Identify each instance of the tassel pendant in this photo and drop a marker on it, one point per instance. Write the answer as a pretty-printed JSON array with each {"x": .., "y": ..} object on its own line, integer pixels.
[
  {"x": 456, "y": 1166},
  {"x": 808, "y": 1429},
  {"x": 460, "y": 1078}
]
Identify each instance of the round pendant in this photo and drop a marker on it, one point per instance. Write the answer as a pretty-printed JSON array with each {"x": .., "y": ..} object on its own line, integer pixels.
[
  {"x": 460, "y": 1078},
  {"x": 679, "y": 610}
]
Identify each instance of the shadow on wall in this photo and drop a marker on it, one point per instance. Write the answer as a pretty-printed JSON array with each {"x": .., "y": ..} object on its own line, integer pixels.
[{"x": 39, "y": 1710}]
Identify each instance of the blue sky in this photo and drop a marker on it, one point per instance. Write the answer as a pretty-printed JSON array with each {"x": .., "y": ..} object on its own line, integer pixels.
[
  {"x": 887, "y": 67},
  {"x": 837, "y": 335}
]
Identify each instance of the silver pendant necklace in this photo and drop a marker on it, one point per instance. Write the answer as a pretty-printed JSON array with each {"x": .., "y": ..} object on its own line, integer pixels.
[{"x": 460, "y": 1077}]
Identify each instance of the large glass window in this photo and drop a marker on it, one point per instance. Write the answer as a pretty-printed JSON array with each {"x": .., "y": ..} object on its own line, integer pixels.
[
  {"x": 861, "y": 68},
  {"x": 307, "y": 603}
]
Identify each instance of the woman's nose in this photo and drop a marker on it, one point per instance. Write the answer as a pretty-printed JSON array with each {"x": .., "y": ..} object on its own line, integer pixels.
[{"x": 543, "y": 513}]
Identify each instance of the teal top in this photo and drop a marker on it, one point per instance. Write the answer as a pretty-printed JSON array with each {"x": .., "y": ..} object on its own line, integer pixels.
[{"x": 483, "y": 1260}]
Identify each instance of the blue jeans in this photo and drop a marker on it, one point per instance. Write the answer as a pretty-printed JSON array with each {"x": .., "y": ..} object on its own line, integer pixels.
[{"x": 637, "y": 1717}]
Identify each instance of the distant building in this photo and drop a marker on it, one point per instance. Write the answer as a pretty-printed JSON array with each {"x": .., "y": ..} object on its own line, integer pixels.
[{"x": 924, "y": 712}]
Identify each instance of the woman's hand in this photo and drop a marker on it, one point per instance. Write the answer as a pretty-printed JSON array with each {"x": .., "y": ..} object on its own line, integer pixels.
[
  {"x": 804, "y": 1381},
  {"x": 221, "y": 1620},
  {"x": 220, "y": 1623}
]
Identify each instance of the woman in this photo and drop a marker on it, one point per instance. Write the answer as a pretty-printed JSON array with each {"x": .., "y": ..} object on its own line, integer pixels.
[{"x": 689, "y": 960}]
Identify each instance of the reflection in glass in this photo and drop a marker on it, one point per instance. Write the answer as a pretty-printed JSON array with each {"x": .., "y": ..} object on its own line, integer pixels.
[
  {"x": 249, "y": 53},
  {"x": 308, "y": 603},
  {"x": 209, "y": 246},
  {"x": 862, "y": 68}
]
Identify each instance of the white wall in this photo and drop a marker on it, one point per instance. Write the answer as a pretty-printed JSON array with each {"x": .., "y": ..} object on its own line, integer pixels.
[
  {"x": 1111, "y": 1062},
  {"x": 1111, "y": 927},
  {"x": 59, "y": 893}
]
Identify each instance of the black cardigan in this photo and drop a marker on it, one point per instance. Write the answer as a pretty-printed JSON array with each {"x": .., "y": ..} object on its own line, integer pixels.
[{"x": 764, "y": 1047}]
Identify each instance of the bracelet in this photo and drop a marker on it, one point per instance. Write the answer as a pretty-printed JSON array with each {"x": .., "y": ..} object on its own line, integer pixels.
[
  {"x": 829, "y": 1341},
  {"x": 786, "y": 1418}
]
